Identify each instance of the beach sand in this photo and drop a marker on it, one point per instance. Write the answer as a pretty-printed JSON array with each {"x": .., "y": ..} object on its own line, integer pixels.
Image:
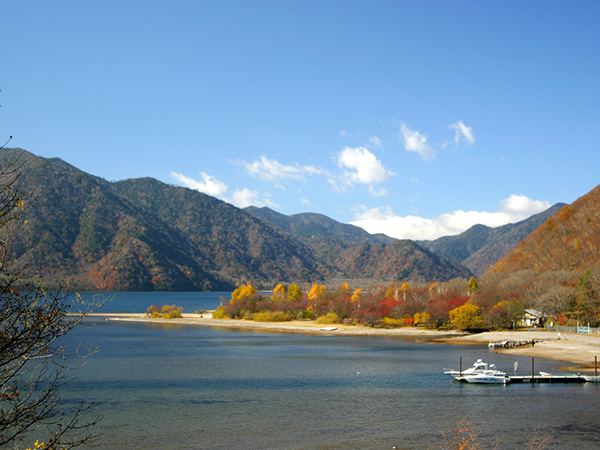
[{"x": 575, "y": 349}]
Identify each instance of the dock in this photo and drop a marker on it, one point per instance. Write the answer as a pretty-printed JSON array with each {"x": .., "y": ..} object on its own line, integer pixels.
[{"x": 547, "y": 379}]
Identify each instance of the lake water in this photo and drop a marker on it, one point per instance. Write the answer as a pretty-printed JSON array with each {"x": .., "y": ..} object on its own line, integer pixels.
[{"x": 169, "y": 386}]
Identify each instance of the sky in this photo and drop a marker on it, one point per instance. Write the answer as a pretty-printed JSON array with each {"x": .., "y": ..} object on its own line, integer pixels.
[{"x": 416, "y": 119}]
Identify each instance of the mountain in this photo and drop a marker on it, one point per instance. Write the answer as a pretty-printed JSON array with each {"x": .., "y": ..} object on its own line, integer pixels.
[
  {"x": 142, "y": 234},
  {"x": 360, "y": 255},
  {"x": 312, "y": 225},
  {"x": 100, "y": 235},
  {"x": 569, "y": 240},
  {"x": 480, "y": 246},
  {"x": 556, "y": 268}
]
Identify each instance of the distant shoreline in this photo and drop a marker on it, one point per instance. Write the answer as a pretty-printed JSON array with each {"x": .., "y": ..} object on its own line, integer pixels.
[{"x": 575, "y": 349}]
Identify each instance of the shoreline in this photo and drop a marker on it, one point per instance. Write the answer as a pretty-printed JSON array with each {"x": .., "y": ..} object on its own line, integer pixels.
[{"x": 576, "y": 349}]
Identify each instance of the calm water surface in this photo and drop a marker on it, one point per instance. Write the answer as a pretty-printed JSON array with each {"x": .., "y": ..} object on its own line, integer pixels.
[{"x": 189, "y": 387}]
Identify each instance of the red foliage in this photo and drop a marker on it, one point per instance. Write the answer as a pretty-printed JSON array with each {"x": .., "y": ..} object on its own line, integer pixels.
[{"x": 440, "y": 307}]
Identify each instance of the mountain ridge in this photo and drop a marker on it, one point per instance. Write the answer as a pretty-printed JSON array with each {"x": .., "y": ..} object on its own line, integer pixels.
[{"x": 142, "y": 234}]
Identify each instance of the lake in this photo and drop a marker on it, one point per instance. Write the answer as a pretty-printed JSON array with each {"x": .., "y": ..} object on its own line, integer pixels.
[{"x": 170, "y": 386}]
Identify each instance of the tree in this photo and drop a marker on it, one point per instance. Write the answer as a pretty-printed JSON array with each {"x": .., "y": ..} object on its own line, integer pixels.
[
  {"x": 294, "y": 293},
  {"x": 279, "y": 293},
  {"x": 32, "y": 360},
  {"x": 466, "y": 317}
]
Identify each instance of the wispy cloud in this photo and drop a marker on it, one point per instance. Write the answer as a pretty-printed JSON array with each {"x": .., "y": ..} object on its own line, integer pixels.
[
  {"x": 416, "y": 142},
  {"x": 461, "y": 131},
  {"x": 272, "y": 170},
  {"x": 211, "y": 186},
  {"x": 375, "y": 141},
  {"x": 360, "y": 166},
  {"x": 245, "y": 197},
  {"x": 382, "y": 220}
]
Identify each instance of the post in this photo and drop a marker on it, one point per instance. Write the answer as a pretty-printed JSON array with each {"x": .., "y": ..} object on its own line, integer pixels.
[
  {"x": 532, "y": 370},
  {"x": 595, "y": 366},
  {"x": 460, "y": 366}
]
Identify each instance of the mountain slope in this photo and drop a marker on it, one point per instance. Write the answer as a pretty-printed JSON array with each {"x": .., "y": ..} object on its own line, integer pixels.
[
  {"x": 312, "y": 225},
  {"x": 556, "y": 268},
  {"x": 146, "y": 235},
  {"x": 480, "y": 246},
  {"x": 359, "y": 254},
  {"x": 82, "y": 230}
]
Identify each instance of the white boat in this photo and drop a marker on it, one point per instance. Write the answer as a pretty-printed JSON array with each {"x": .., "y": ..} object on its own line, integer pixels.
[
  {"x": 591, "y": 378},
  {"x": 479, "y": 366},
  {"x": 489, "y": 377}
]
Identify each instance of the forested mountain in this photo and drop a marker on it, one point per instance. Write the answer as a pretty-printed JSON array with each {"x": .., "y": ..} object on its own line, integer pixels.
[
  {"x": 556, "y": 268},
  {"x": 312, "y": 225},
  {"x": 480, "y": 246},
  {"x": 146, "y": 235},
  {"x": 361, "y": 255}
]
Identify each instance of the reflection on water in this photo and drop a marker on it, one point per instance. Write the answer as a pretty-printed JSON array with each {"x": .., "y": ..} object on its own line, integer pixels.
[{"x": 189, "y": 387}]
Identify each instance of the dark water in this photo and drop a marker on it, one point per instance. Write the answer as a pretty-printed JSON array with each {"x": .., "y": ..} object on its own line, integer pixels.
[
  {"x": 190, "y": 387},
  {"x": 138, "y": 302}
]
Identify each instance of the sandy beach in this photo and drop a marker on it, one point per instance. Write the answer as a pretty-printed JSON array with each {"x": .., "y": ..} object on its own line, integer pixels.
[{"x": 575, "y": 349}]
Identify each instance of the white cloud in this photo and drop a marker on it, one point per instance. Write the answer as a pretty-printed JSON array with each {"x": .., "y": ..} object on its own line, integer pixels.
[
  {"x": 210, "y": 185},
  {"x": 416, "y": 142},
  {"x": 521, "y": 204},
  {"x": 360, "y": 166},
  {"x": 382, "y": 220},
  {"x": 271, "y": 170},
  {"x": 461, "y": 130},
  {"x": 245, "y": 197},
  {"x": 376, "y": 141}
]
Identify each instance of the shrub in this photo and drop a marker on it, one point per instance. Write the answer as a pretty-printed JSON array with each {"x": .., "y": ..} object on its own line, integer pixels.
[
  {"x": 330, "y": 317},
  {"x": 166, "y": 312},
  {"x": 391, "y": 322},
  {"x": 220, "y": 313},
  {"x": 272, "y": 316}
]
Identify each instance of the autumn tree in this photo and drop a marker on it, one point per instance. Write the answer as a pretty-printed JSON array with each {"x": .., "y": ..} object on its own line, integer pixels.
[
  {"x": 466, "y": 317},
  {"x": 33, "y": 363},
  {"x": 279, "y": 293},
  {"x": 294, "y": 293}
]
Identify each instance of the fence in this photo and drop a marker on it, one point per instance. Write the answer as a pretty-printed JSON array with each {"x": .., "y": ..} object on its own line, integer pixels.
[{"x": 578, "y": 329}]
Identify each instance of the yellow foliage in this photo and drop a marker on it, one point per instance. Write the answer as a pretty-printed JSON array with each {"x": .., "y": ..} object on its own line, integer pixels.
[
  {"x": 344, "y": 289},
  {"x": 220, "y": 313},
  {"x": 279, "y": 293},
  {"x": 314, "y": 292},
  {"x": 166, "y": 312},
  {"x": 356, "y": 296},
  {"x": 391, "y": 322},
  {"x": 243, "y": 291},
  {"x": 422, "y": 317},
  {"x": 294, "y": 293},
  {"x": 466, "y": 316},
  {"x": 330, "y": 317},
  {"x": 272, "y": 316}
]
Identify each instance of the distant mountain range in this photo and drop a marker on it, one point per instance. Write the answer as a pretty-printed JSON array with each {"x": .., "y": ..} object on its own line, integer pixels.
[
  {"x": 142, "y": 234},
  {"x": 480, "y": 247}
]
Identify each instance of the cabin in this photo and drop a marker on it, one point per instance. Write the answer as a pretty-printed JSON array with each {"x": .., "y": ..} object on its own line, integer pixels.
[{"x": 532, "y": 318}]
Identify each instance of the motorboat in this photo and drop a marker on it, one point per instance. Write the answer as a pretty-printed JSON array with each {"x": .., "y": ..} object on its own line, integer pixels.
[
  {"x": 479, "y": 366},
  {"x": 488, "y": 377}
]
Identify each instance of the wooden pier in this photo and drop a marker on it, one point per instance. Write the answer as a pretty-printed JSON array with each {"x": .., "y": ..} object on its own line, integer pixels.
[
  {"x": 542, "y": 377},
  {"x": 547, "y": 379}
]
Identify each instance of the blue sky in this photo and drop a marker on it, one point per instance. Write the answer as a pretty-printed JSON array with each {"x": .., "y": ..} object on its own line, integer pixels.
[{"x": 416, "y": 119}]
